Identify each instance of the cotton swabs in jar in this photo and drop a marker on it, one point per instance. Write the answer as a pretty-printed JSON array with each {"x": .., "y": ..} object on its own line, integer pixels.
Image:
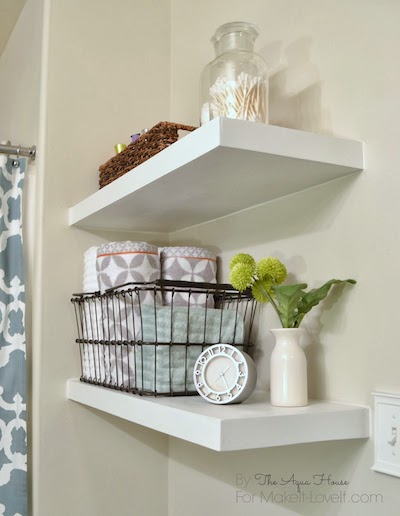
[{"x": 243, "y": 98}]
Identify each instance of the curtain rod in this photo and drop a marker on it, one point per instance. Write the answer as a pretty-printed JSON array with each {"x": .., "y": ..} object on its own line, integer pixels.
[{"x": 17, "y": 150}]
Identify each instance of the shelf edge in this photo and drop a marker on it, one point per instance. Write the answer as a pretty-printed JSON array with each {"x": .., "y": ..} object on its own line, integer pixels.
[{"x": 345, "y": 421}]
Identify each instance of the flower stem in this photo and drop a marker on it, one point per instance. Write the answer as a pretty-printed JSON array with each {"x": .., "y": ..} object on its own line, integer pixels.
[{"x": 270, "y": 300}]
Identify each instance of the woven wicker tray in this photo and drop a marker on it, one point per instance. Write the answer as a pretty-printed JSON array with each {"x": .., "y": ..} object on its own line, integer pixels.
[{"x": 148, "y": 145}]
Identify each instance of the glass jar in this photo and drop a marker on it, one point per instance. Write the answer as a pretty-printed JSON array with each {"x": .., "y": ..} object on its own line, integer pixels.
[{"x": 235, "y": 84}]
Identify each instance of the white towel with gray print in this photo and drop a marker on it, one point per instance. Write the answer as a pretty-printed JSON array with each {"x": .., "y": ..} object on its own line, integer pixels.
[
  {"x": 188, "y": 264},
  {"x": 127, "y": 262},
  {"x": 119, "y": 263}
]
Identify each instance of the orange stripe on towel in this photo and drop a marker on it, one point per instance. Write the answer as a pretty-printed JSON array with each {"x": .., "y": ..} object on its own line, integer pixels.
[
  {"x": 191, "y": 258},
  {"x": 126, "y": 252}
]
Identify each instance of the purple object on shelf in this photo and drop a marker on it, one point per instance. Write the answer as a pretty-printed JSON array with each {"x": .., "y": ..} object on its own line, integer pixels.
[{"x": 135, "y": 137}]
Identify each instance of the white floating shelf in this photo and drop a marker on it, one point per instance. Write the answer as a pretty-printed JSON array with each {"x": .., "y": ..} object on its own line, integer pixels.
[
  {"x": 253, "y": 424},
  {"x": 223, "y": 167}
]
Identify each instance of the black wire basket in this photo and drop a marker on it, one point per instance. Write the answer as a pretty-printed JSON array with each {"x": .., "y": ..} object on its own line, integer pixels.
[{"x": 144, "y": 338}]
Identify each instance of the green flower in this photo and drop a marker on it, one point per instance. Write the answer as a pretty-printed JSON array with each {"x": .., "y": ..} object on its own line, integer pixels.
[
  {"x": 258, "y": 289},
  {"x": 243, "y": 258},
  {"x": 241, "y": 276},
  {"x": 272, "y": 270}
]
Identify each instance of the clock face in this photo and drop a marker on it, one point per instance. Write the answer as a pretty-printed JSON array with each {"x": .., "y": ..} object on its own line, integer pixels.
[{"x": 220, "y": 373}]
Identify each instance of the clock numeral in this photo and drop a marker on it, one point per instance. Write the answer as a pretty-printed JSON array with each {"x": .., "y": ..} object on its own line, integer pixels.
[
  {"x": 237, "y": 356},
  {"x": 198, "y": 373},
  {"x": 241, "y": 375},
  {"x": 238, "y": 387},
  {"x": 222, "y": 349},
  {"x": 203, "y": 360},
  {"x": 210, "y": 352}
]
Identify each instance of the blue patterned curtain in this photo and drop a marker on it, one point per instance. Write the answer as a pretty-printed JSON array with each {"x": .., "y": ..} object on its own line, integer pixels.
[{"x": 13, "y": 464}]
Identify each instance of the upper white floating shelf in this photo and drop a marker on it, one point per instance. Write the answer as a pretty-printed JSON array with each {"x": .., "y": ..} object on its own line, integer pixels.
[
  {"x": 223, "y": 167},
  {"x": 253, "y": 424}
]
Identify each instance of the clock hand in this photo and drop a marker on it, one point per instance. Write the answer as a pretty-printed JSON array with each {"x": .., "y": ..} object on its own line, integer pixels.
[
  {"x": 221, "y": 374},
  {"x": 226, "y": 385}
]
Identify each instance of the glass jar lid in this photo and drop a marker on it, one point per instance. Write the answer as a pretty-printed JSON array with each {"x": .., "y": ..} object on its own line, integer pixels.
[{"x": 232, "y": 27}]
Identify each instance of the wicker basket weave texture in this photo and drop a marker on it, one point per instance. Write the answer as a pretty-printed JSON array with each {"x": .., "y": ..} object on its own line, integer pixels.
[{"x": 146, "y": 146}]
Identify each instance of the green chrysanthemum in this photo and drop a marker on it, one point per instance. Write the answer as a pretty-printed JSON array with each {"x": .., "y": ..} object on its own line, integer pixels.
[
  {"x": 272, "y": 270},
  {"x": 258, "y": 291},
  {"x": 243, "y": 258},
  {"x": 241, "y": 276}
]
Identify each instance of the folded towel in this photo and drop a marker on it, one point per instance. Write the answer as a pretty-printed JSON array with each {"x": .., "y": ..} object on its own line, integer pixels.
[
  {"x": 126, "y": 321},
  {"x": 92, "y": 329},
  {"x": 202, "y": 326},
  {"x": 92, "y": 326},
  {"x": 92, "y": 318},
  {"x": 188, "y": 264},
  {"x": 170, "y": 368},
  {"x": 165, "y": 369},
  {"x": 90, "y": 282},
  {"x": 122, "y": 364},
  {"x": 127, "y": 262},
  {"x": 95, "y": 362}
]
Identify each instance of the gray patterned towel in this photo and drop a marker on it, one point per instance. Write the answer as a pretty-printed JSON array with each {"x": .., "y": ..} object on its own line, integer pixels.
[
  {"x": 119, "y": 263},
  {"x": 188, "y": 264},
  {"x": 128, "y": 262}
]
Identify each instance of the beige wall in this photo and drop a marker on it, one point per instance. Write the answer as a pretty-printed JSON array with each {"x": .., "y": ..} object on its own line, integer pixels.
[
  {"x": 20, "y": 78},
  {"x": 331, "y": 71},
  {"x": 107, "y": 76},
  {"x": 9, "y": 14}
]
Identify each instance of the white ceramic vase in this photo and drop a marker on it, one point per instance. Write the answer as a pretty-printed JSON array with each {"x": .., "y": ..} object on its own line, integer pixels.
[{"x": 288, "y": 369}]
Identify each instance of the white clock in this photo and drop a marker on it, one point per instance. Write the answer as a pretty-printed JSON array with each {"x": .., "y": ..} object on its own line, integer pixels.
[{"x": 223, "y": 374}]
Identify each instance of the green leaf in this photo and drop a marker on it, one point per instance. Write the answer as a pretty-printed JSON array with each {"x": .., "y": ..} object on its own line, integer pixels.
[
  {"x": 314, "y": 296},
  {"x": 288, "y": 298}
]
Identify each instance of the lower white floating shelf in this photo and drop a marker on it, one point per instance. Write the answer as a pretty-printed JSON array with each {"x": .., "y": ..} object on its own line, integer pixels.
[{"x": 253, "y": 424}]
